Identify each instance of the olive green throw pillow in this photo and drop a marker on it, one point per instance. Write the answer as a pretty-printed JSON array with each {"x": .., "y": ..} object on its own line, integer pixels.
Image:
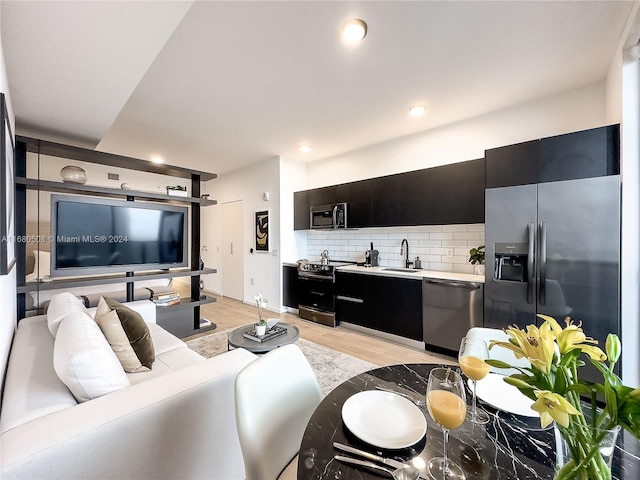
[{"x": 137, "y": 333}]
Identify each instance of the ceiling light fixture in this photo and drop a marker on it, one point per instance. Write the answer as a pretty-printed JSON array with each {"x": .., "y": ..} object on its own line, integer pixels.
[
  {"x": 157, "y": 159},
  {"x": 417, "y": 110},
  {"x": 354, "y": 30},
  {"x": 305, "y": 148}
]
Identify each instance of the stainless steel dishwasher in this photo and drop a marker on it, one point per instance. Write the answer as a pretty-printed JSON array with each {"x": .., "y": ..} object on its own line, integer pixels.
[{"x": 449, "y": 309}]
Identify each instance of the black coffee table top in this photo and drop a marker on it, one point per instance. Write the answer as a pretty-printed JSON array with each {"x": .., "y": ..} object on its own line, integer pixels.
[
  {"x": 509, "y": 447},
  {"x": 237, "y": 339}
]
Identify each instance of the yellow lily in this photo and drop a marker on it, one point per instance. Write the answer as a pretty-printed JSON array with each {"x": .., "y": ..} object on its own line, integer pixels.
[
  {"x": 535, "y": 344},
  {"x": 572, "y": 337},
  {"x": 552, "y": 406}
]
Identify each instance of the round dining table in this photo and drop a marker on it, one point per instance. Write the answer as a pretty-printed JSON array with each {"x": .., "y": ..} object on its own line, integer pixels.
[{"x": 508, "y": 447}]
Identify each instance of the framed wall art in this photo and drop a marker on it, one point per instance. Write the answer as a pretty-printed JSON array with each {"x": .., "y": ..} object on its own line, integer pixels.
[
  {"x": 262, "y": 231},
  {"x": 7, "y": 212}
]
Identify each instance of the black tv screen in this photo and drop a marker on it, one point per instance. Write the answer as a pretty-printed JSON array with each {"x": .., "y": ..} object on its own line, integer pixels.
[{"x": 95, "y": 235}]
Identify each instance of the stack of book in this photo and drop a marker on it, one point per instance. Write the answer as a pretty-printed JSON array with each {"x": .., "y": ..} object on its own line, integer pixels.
[
  {"x": 273, "y": 332},
  {"x": 166, "y": 299}
]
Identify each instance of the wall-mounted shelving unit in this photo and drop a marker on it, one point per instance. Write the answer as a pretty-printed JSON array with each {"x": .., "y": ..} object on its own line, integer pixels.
[{"x": 187, "y": 313}]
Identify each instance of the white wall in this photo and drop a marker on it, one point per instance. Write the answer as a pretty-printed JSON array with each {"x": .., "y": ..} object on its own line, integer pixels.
[
  {"x": 293, "y": 177},
  {"x": 7, "y": 282},
  {"x": 248, "y": 185},
  {"x": 630, "y": 275},
  {"x": 466, "y": 140}
]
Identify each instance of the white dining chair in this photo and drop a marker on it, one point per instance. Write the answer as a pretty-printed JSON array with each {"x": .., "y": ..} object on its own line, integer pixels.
[
  {"x": 275, "y": 398},
  {"x": 497, "y": 352}
]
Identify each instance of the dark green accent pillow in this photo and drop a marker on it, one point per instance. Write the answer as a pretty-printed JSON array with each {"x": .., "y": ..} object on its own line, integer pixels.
[{"x": 137, "y": 332}]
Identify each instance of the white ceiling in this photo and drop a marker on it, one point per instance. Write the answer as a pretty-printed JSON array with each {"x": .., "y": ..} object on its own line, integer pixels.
[{"x": 220, "y": 85}]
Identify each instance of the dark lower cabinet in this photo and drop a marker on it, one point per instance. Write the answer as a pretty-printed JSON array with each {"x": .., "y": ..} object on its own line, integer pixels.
[
  {"x": 290, "y": 288},
  {"x": 387, "y": 304}
]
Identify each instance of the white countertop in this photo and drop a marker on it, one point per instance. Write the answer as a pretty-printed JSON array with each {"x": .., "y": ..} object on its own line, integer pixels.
[{"x": 416, "y": 274}]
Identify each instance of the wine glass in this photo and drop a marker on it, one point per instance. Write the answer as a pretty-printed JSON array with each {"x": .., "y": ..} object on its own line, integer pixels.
[
  {"x": 448, "y": 407},
  {"x": 472, "y": 356}
]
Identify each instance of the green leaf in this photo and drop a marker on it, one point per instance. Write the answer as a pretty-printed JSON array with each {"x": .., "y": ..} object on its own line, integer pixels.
[{"x": 497, "y": 363}]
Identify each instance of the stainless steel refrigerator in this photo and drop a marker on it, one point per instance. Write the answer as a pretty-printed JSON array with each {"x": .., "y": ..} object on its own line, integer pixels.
[{"x": 554, "y": 248}]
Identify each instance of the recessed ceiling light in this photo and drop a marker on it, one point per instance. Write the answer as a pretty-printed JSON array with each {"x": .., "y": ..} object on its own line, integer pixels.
[
  {"x": 157, "y": 159},
  {"x": 354, "y": 30},
  {"x": 417, "y": 110},
  {"x": 305, "y": 148}
]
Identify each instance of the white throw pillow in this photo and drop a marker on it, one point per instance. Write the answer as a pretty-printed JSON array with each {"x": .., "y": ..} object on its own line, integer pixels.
[
  {"x": 60, "y": 306},
  {"x": 84, "y": 360}
]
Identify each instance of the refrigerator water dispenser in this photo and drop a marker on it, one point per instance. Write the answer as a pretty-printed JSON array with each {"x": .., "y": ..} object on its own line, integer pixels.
[{"x": 510, "y": 262}]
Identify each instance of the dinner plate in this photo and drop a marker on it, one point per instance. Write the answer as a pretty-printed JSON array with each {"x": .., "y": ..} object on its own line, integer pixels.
[
  {"x": 384, "y": 419},
  {"x": 494, "y": 391}
]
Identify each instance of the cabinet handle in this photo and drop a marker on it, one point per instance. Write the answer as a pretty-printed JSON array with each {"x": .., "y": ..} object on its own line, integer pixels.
[
  {"x": 349, "y": 299},
  {"x": 231, "y": 248}
]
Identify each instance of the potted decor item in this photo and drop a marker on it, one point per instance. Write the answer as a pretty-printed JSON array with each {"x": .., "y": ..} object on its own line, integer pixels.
[
  {"x": 476, "y": 258},
  {"x": 261, "y": 326},
  {"x": 588, "y": 431}
]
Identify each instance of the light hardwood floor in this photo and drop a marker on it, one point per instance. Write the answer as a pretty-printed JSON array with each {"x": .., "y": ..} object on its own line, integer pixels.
[{"x": 227, "y": 313}]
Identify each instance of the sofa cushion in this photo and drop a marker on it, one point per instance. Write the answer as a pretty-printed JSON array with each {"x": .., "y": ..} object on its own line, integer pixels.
[
  {"x": 60, "y": 306},
  {"x": 112, "y": 328},
  {"x": 32, "y": 389},
  {"x": 137, "y": 332},
  {"x": 84, "y": 360}
]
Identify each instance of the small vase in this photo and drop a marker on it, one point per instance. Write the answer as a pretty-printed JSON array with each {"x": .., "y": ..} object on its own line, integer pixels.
[
  {"x": 478, "y": 269},
  {"x": 260, "y": 330},
  {"x": 570, "y": 453}
]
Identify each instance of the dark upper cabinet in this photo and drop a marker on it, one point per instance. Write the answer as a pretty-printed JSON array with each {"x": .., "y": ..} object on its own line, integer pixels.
[
  {"x": 449, "y": 194},
  {"x": 301, "y": 210},
  {"x": 585, "y": 154},
  {"x": 512, "y": 165},
  {"x": 358, "y": 196}
]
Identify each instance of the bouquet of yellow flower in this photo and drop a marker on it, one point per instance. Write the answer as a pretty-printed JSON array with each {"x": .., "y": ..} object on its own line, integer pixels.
[{"x": 554, "y": 384}]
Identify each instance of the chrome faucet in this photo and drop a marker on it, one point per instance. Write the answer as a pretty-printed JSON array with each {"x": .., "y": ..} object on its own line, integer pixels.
[{"x": 404, "y": 251}]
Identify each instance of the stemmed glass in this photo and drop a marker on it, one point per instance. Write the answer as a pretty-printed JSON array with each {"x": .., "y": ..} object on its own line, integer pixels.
[
  {"x": 448, "y": 407},
  {"x": 472, "y": 356}
]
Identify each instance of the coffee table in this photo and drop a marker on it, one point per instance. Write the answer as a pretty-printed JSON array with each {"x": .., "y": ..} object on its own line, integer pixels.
[{"x": 236, "y": 338}]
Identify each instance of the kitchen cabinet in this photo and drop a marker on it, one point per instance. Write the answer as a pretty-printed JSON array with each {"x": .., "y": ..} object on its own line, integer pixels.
[
  {"x": 388, "y": 304},
  {"x": 290, "y": 288},
  {"x": 585, "y": 154},
  {"x": 301, "y": 210},
  {"x": 445, "y": 195}
]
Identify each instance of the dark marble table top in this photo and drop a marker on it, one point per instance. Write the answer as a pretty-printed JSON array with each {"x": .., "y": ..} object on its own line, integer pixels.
[{"x": 508, "y": 447}]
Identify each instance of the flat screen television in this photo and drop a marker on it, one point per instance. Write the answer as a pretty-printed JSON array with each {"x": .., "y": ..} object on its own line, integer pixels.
[{"x": 96, "y": 235}]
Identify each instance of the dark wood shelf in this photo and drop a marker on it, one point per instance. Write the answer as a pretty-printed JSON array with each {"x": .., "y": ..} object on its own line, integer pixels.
[
  {"x": 62, "y": 282},
  {"x": 60, "y": 187},
  {"x": 188, "y": 303},
  {"x": 44, "y": 147}
]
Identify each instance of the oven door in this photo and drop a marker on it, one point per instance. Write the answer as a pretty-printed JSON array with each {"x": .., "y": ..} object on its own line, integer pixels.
[{"x": 316, "y": 298}]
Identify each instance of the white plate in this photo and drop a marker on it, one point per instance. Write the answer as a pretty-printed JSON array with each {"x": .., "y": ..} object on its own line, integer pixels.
[
  {"x": 494, "y": 391},
  {"x": 384, "y": 419}
]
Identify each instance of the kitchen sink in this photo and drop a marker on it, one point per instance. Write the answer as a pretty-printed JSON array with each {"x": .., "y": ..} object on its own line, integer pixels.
[{"x": 401, "y": 270}]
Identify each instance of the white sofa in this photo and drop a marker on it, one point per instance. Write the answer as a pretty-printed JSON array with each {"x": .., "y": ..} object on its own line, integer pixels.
[{"x": 175, "y": 421}]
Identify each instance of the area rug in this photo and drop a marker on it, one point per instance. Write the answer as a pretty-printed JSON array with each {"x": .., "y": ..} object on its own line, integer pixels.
[{"x": 330, "y": 366}]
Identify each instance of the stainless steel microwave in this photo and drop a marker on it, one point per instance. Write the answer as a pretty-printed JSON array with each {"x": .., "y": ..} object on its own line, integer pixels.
[{"x": 328, "y": 216}]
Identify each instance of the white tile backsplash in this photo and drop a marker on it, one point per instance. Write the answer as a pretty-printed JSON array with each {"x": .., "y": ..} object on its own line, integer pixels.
[{"x": 431, "y": 243}]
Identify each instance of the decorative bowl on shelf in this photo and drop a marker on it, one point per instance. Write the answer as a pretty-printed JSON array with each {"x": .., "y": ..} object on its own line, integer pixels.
[{"x": 73, "y": 174}]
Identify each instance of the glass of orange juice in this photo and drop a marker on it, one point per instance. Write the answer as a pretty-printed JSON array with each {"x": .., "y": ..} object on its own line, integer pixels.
[
  {"x": 448, "y": 407},
  {"x": 472, "y": 356}
]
